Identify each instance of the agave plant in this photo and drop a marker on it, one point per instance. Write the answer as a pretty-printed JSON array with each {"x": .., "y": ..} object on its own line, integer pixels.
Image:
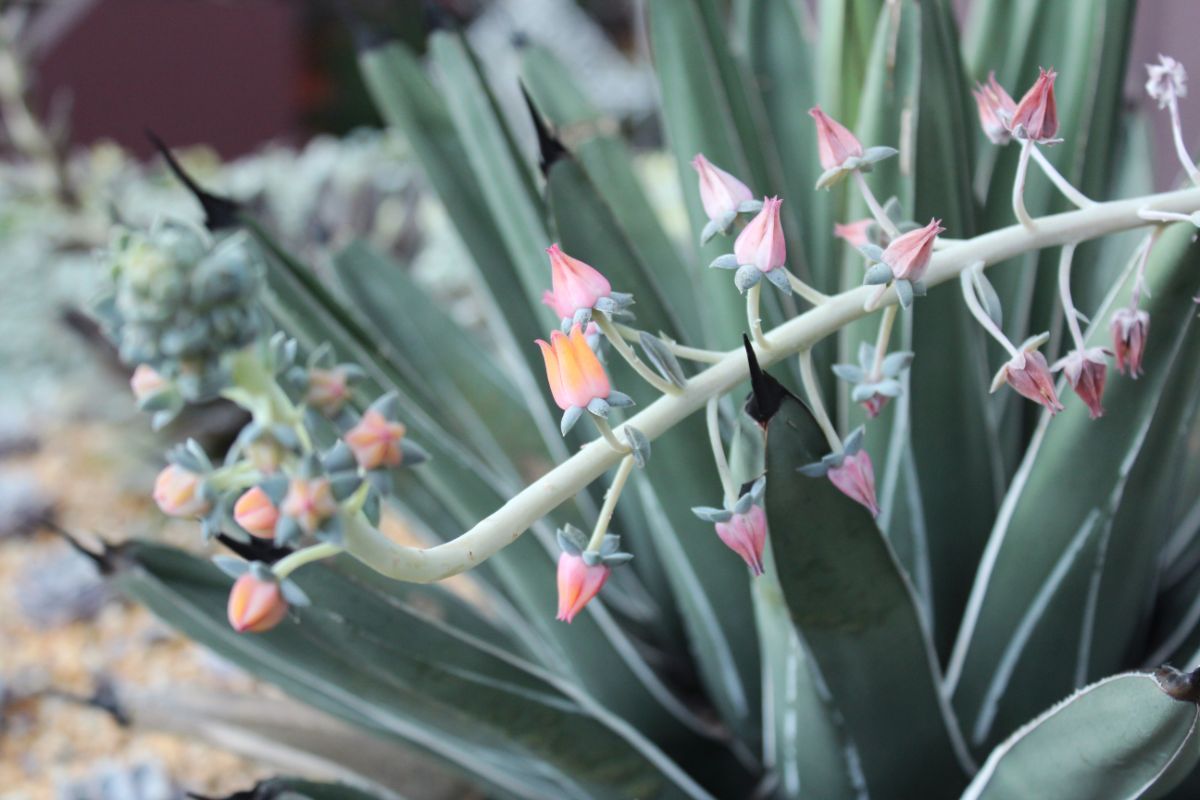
[{"x": 913, "y": 583}]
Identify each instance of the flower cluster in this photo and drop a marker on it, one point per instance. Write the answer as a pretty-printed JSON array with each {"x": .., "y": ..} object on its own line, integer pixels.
[{"x": 1034, "y": 118}]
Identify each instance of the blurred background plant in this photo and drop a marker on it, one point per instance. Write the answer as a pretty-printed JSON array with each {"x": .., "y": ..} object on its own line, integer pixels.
[{"x": 67, "y": 418}]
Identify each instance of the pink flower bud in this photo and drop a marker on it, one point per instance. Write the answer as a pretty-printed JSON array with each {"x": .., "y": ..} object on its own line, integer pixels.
[
  {"x": 720, "y": 192},
  {"x": 578, "y": 583},
  {"x": 146, "y": 382},
  {"x": 835, "y": 143},
  {"x": 908, "y": 255},
  {"x": 746, "y": 535},
  {"x": 1036, "y": 116},
  {"x": 256, "y": 514},
  {"x": 1086, "y": 371},
  {"x": 575, "y": 285},
  {"x": 855, "y": 477},
  {"x": 328, "y": 390},
  {"x": 375, "y": 441},
  {"x": 1029, "y": 376},
  {"x": 761, "y": 242},
  {"x": 854, "y": 233},
  {"x": 310, "y": 502},
  {"x": 996, "y": 110},
  {"x": 572, "y": 370},
  {"x": 255, "y": 605},
  {"x": 177, "y": 493},
  {"x": 1167, "y": 81},
  {"x": 874, "y": 404},
  {"x": 1130, "y": 327}
]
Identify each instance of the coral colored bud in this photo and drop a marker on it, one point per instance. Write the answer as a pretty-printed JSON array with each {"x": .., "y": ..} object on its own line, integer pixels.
[
  {"x": 908, "y": 255},
  {"x": 375, "y": 441},
  {"x": 575, "y": 285},
  {"x": 746, "y": 535},
  {"x": 856, "y": 233},
  {"x": 146, "y": 382},
  {"x": 1036, "y": 116},
  {"x": 1086, "y": 371},
  {"x": 328, "y": 390},
  {"x": 574, "y": 373},
  {"x": 720, "y": 192},
  {"x": 855, "y": 477},
  {"x": 761, "y": 242},
  {"x": 1029, "y": 376},
  {"x": 996, "y": 109},
  {"x": 1130, "y": 327},
  {"x": 835, "y": 144},
  {"x": 256, "y": 514},
  {"x": 1167, "y": 81},
  {"x": 578, "y": 583},
  {"x": 310, "y": 502},
  {"x": 255, "y": 605},
  {"x": 177, "y": 493}
]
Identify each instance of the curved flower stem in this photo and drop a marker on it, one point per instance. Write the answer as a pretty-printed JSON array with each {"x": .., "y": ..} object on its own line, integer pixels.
[
  {"x": 1064, "y": 294},
  {"x": 619, "y": 344},
  {"x": 606, "y": 432},
  {"x": 610, "y": 503},
  {"x": 1185, "y": 158},
  {"x": 882, "y": 339},
  {"x": 682, "y": 351},
  {"x": 877, "y": 211},
  {"x": 813, "y": 389},
  {"x": 289, "y": 564},
  {"x": 714, "y": 438},
  {"x": 1018, "y": 196},
  {"x": 560, "y": 484},
  {"x": 977, "y": 310},
  {"x": 752, "y": 316},
  {"x": 1164, "y": 216},
  {"x": 804, "y": 290},
  {"x": 1070, "y": 192},
  {"x": 1139, "y": 279}
]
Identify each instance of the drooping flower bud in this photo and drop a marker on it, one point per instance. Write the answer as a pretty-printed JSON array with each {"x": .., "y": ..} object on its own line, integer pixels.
[
  {"x": 855, "y": 233},
  {"x": 310, "y": 502},
  {"x": 256, "y": 514},
  {"x": 578, "y": 583},
  {"x": 328, "y": 390},
  {"x": 722, "y": 195},
  {"x": 1086, "y": 371},
  {"x": 375, "y": 441},
  {"x": 908, "y": 255},
  {"x": 1036, "y": 116},
  {"x": 1129, "y": 328},
  {"x": 855, "y": 477},
  {"x": 179, "y": 493},
  {"x": 761, "y": 242},
  {"x": 146, "y": 382},
  {"x": 578, "y": 288},
  {"x": 577, "y": 379},
  {"x": 996, "y": 110},
  {"x": 1167, "y": 81},
  {"x": 746, "y": 535},
  {"x": 835, "y": 144},
  {"x": 255, "y": 604},
  {"x": 874, "y": 386},
  {"x": 1028, "y": 375}
]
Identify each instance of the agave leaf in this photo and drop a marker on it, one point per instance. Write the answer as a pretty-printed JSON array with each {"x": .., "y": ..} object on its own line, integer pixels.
[
  {"x": 508, "y": 724},
  {"x": 855, "y": 610},
  {"x": 997, "y": 679},
  {"x": 1121, "y": 737},
  {"x": 847, "y": 29}
]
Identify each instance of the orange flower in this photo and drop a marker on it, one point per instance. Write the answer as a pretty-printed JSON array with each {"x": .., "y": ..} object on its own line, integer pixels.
[
  {"x": 375, "y": 441},
  {"x": 578, "y": 583},
  {"x": 255, "y": 512},
  {"x": 255, "y": 605},
  {"x": 177, "y": 492},
  {"x": 577, "y": 380},
  {"x": 328, "y": 390},
  {"x": 310, "y": 502}
]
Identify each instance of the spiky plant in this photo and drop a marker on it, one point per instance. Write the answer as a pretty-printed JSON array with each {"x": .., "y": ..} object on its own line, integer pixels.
[{"x": 918, "y": 609}]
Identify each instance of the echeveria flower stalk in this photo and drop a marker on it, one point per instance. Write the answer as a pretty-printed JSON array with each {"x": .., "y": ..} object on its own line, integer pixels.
[
  {"x": 1129, "y": 328},
  {"x": 996, "y": 109},
  {"x": 1086, "y": 371},
  {"x": 577, "y": 379},
  {"x": 578, "y": 288},
  {"x": 1035, "y": 118},
  {"x": 840, "y": 151},
  {"x": 723, "y": 197},
  {"x": 255, "y": 604}
]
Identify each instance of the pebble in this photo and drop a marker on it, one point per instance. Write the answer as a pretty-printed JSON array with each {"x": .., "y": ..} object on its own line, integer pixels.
[
  {"x": 60, "y": 588},
  {"x": 24, "y": 504},
  {"x": 145, "y": 781}
]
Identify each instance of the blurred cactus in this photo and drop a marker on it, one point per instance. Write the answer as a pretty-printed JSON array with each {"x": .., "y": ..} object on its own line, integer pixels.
[{"x": 901, "y": 577}]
